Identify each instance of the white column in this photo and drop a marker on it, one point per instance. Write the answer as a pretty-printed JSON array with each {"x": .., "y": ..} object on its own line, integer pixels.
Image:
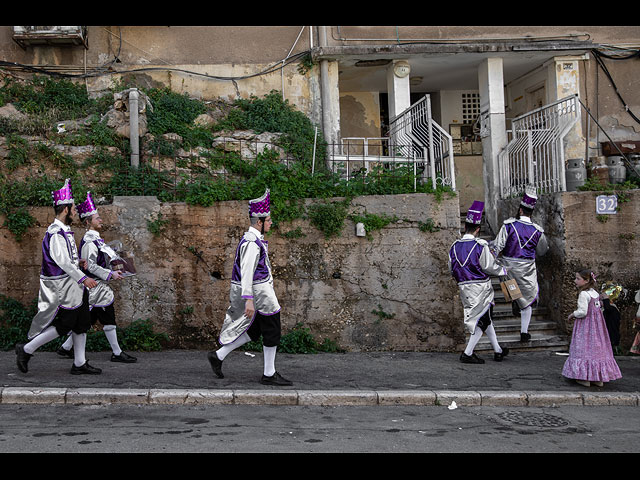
[
  {"x": 494, "y": 132},
  {"x": 398, "y": 88}
]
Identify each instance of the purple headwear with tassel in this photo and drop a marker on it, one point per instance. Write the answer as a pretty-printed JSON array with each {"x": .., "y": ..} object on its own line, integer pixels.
[
  {"x": 529, "y": 198},
  {"x": 87, "y": 208},
  {"x": 260, "y": 207},
  {"x": 64, "y": 195},
  {"x": 474, "y": 214}
]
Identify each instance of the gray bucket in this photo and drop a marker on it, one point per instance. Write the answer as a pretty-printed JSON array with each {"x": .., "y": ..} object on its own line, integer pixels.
[
  {"x": 576, "y": 174},
  {"x": 617, "y": 170}
]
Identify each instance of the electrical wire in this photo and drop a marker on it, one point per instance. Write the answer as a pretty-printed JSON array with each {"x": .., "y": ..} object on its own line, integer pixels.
[
  {"x": 598, "y": 56},
  {"x": 108, "y": 69}
]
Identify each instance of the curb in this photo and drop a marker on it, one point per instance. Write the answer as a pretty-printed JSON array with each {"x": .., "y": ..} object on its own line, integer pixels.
[{"x": 108, "y": 396}]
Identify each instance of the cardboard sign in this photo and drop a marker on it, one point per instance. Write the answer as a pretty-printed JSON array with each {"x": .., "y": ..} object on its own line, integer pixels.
[{"x": 510, "y": 290}]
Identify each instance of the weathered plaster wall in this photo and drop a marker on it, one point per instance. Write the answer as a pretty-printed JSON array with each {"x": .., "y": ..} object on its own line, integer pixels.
[
  {"x": 331, "y": 285},
  {"x": 579, "y": 240}
]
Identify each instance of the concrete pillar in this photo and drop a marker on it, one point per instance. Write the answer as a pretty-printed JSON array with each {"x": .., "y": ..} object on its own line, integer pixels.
[
  {"x": 563, "y": 80},
  {"x": 398, "y": 88},
  {"x": 493, "y": 133},
  {"x": 134, "y": 132}
]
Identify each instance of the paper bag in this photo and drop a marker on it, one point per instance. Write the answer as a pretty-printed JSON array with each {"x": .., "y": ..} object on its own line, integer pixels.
[
  {"x": 124, "y": 266},
  {"x": 510, "y": 289}
]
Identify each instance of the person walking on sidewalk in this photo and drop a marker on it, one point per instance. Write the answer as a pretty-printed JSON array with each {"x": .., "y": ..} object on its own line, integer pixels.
[
  {"x": 471, "y": 263},
  {"x": 63, "y": 300},
  {"x": 254, "y": 309},
  {"x": 590, "y": 358},
  {"x": 520, "y": 242},
  {"x": 98, "y": 256}
]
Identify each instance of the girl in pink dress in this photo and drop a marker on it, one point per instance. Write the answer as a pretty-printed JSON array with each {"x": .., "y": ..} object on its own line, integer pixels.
[{"x": 590, "y": 355}]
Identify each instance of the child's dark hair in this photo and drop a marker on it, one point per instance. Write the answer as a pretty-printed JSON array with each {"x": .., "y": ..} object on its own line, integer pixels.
[
  {"x": 470, "y": 227},
  {"x": 588, "y": 275}
]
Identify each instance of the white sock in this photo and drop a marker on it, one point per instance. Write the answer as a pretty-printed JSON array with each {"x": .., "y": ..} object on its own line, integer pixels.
[
  {"x": 269, "y": 360},
  {"x": 79, "y": 344},
  {"x": 68, "y": 344},
  {"x": 525, "y": 318},
  {"x": 225, "y": 350},
  {"x": 491, "y": 333},
  {"x": 112, "y": 337},
  {"x": 46, "y": 336},
  {"x": 473, "y": 341}
]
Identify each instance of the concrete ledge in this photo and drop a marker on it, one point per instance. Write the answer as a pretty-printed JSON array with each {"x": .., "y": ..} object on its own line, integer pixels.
[
  {"x": 337, "y": 397},
  {"x": 503, "y": 399},
  {"x": 549, "y": 399},
  {"x": 106, "y": 395},
  {"x": 406, "y": 397},
  {"x": 33, "y": 395},
  {"x": 98, "y": 396},
  {"x": 462, "y": 398},
  {"x": 265, "y": 397}
]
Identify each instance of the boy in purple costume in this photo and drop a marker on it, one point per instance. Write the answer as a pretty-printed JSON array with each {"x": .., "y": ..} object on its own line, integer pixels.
[
  {"x": 254, "y": 309},
  {"x": 471, "y": 263}
]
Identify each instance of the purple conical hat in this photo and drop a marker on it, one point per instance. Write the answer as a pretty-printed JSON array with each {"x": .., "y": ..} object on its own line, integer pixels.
[
  {"x": 260, "y": 207},
  {"x": 87, "y": 208},
  {"x": 64, "y": 195},
  {"x": 529, "y": 198},
  {"x": 474, "y": 214}
]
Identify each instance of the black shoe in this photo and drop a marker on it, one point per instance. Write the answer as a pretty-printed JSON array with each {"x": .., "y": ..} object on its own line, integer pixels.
[
  {"x": 473, "y": 358},
  {"x": 123, "y": 358},
  {"x": 525, "y": 337},
  {"x": 276, "y": 379},
  {"x": 65, "y": 353},
  {"x": 85, "y": 369},
  {"x": 216, "y": 364},
  {"x": 22, "y": 358},
  {"x": 499, "y": 356}
]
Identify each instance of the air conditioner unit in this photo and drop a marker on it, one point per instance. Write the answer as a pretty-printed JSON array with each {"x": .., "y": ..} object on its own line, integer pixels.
[{"x": 56, "y": 36}]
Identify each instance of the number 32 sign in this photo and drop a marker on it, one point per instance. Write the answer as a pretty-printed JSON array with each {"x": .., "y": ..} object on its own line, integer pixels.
[{"x": 606, "y": 204}]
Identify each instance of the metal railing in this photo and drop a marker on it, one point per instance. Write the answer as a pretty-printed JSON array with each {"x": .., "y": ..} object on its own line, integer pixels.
[
  {"x": 535, "y": 154},
  {"x": 416, "y": 143}
]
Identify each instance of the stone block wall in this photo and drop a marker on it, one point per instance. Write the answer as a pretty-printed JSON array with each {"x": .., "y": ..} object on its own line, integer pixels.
[{"x": 390, "y": 292}]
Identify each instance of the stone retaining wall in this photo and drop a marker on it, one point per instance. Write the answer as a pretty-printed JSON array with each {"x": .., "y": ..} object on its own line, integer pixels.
[{"x": 391, "y": 292}]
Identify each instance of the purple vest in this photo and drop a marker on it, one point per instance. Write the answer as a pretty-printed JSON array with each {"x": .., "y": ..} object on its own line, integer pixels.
[
  {"x": 49, "y": 267},
  {"x": 101, "y": 259},
  {"x": 468, "y": 254},
  {"x": 262, "y": 270},
  {"x": 522, "y": 239}
]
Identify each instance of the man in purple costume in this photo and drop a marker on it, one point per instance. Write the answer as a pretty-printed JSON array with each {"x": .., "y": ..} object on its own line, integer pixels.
[
  {"x": 254, "y": 309},
  {"x": 471, "y": 263},
  {"x": 520, "y": 242},
  {"x": 63, "y": 301}
]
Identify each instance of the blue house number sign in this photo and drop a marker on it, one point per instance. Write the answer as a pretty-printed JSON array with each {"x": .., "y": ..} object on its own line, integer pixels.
[{"x": 606, "y": 204}]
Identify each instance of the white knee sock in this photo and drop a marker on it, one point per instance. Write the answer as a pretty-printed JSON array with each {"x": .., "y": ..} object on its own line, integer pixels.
[
  {"x": 48, "y": 334},
  {"x": 68, "y": 344},
  {"x": 112, "y": 337},
  {"x": 79, "y": 345},
  {"x": 473, "y": 341},
  {"x": 491, "y": 333},
  {"x": 525, "y": 318},
  {"x": 269, "y": 360},
  {"x": 225, "y": 350}
]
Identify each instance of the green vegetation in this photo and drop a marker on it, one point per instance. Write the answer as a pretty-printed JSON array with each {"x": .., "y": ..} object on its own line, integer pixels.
[
  {"x": 15, "y": 321},
  {"x": 298, "y": 340}
]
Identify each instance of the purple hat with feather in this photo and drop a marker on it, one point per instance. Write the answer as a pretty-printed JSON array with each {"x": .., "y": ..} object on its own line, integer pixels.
[
  {"x": 260, "y": 207},
  {"x": 64, "y": 195},
  {"x": 474, "y": 214},
  {"x": 529, "y": 198},
  {"x": 87, "y": 208}
]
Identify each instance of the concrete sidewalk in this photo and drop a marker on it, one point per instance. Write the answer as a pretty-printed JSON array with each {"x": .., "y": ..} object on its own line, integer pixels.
[{"x": 372, "y": 378}]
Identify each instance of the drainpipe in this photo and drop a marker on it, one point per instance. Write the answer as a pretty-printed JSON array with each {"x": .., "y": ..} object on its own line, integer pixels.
[
  {"x": 133, "y": 128},
  {"x": 324, "y": 88}
]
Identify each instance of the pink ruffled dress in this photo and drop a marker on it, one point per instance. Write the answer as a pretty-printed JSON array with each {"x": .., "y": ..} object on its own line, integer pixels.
[{"x": 590, "y": 354}]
